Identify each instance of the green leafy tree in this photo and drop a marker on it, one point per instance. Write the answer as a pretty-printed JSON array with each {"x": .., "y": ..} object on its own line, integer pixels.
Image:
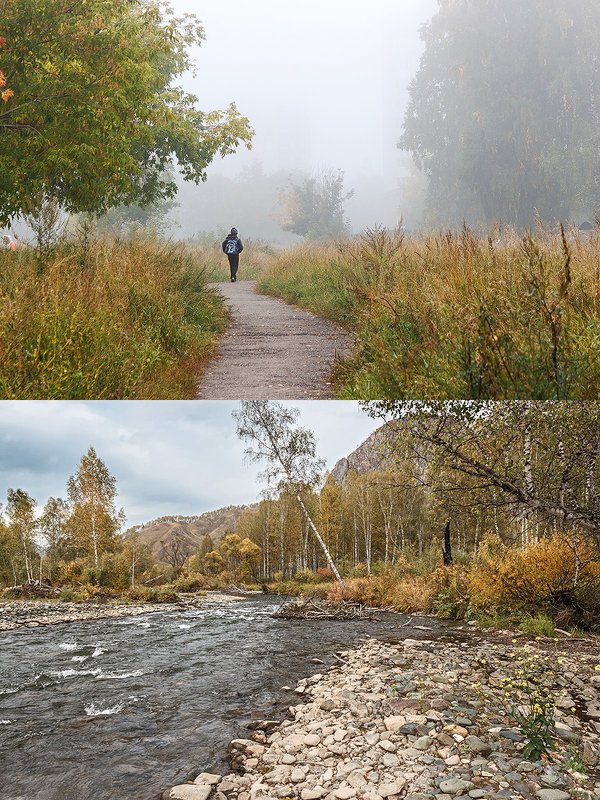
[
  {"x": 20, "y": 508},
  {"x": 53, "y": 527},
  {"x": 94, "y": 523},
  {"x": 90, "y": 113},
  {"x": 315, "y": 208},
  {"x": 503, "y": 110}
]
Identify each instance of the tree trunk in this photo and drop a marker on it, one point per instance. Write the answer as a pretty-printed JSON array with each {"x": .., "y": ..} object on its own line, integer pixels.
[
  {"x": 321, "y": 542},
  {"x": 447, "y": 547}
]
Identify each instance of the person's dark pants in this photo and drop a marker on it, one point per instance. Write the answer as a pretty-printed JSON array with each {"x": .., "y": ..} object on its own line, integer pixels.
[{"x": 234, "y": 262}]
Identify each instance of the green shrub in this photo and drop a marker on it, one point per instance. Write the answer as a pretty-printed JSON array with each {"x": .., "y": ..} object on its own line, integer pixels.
[{"x": 538, "y": 625}]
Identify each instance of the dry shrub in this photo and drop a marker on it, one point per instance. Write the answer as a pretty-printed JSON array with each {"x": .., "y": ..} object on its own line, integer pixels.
[
  {"x": 358, "y": 590},
  {"x": 541, "y": 576},
  {"x": 413, "y": 593}
]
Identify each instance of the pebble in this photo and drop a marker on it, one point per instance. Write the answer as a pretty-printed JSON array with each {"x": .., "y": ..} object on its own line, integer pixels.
[{"x": 348, "y": 738}]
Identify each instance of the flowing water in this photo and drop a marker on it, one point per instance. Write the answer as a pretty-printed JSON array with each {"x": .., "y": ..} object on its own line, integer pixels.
[{"x": 121, "y": 709}]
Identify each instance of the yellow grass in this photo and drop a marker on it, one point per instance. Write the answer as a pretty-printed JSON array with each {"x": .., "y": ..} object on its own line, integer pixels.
[
  {"x": 451, "y": 315},
  {"x": 132, "y": 319}
]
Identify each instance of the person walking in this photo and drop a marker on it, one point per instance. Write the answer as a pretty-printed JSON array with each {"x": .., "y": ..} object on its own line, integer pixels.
[{"x": 232, "y": 247}]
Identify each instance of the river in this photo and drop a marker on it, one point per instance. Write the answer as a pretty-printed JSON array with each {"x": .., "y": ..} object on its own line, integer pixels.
[{"x": 121, "y": 709}]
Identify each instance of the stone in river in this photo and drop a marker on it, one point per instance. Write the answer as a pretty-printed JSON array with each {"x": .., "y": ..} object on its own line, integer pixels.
[
  {"x": 408, "y": 729},
  {"x": 477, "y": 746},
  {"x": 507, "y": 733},
  {"x": 187, "y": 791},
  {"x": 313, "y": 794},
  {"x": 455, "y": 785},
  {"x": 345, "y": 793},
  {"x": 312, "y": 740},
  {"x": 566, "y": 733},
  {"x": 394, "y": 723},
  {"x": 553, "y": 794},
  {"x": 391, "y": 789},
  {"x": 208, "y": 778},
  {"x": 396, "y": 705},
  {"x": 423, "y": 743}
]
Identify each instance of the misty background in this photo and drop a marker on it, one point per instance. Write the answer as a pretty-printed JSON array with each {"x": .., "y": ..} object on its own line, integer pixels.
[{"x": 325, "y": 88}]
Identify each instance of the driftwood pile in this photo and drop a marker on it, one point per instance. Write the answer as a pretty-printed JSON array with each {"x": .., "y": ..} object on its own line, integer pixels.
[
  {"x": 324, "y": 609},
  {"x": 34, "y": 589}
]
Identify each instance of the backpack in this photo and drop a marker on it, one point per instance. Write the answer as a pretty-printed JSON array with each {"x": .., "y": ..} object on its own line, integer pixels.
[{"x": 231, "y": 247}]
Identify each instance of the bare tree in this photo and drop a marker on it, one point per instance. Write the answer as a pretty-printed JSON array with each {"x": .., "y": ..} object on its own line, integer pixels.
[
  {"x": 288, "y": 450},
  {"x": 174, "y": 551}
]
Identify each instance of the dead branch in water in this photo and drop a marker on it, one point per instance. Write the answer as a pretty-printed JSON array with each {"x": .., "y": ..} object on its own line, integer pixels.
[{"x": 323, "y": 609}]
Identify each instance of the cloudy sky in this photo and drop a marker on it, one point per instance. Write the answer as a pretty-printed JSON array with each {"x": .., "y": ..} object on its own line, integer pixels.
[{"x": 168, "y": 457}]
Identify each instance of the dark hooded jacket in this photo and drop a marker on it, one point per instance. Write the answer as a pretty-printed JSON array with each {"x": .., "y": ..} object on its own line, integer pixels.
[{"x": 237, "y": 240}]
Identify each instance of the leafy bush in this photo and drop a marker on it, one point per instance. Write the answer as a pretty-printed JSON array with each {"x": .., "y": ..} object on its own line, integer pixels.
[
  {"x": 539, "y": 625},
  {"x": 539, "y": 578},
  {"x": 196, "y": 582}
]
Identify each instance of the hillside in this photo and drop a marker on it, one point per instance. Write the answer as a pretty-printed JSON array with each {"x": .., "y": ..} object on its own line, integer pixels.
[
  {"x": 373, "y": 454},
  {"x": 190, "y": 530}
]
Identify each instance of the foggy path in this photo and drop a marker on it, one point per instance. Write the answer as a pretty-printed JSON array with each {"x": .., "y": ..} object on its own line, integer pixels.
[{"x": 271, "y": 351}]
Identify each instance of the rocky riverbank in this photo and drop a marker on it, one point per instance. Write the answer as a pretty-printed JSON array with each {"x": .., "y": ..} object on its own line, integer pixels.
[
  {"x": 421, "y": 720},
  {"x": 36, "y": 613}
]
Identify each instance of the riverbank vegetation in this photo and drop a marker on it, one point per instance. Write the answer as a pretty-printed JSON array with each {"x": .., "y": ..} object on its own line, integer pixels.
[
  {"x": 454, "y": 315},
  {"x": 487, "y": 513},
  {"x": 104, "y": 318}
]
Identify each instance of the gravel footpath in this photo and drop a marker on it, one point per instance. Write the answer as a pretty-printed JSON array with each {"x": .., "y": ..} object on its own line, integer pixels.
[
  {"x": 408, "y": 721},
  {"x": 271, "y": 351}
]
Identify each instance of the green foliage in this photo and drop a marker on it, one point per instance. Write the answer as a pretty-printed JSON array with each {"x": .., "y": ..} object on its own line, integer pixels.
[
  {"x": 538, "y": 625},
  {"x": 68, "y": 594},
  {"x": 314, "y": 208},
  {"x": 528, "y": 698},
  {"x": 502, "y": 114},
  {"x": 93, "y": 117},
  {"x": 94, "y": 521},
  {"x": 136, "y": 322}
]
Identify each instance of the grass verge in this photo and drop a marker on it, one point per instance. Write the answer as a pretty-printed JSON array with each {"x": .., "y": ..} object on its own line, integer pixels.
[
  {"x": 121, "y": 320},
  {"x": 455, "y": 316}
]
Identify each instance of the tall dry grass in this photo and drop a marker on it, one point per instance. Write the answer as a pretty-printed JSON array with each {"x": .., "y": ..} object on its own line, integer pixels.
[
  {"x": 456, "y": 315},
  {"x": 129, "y": 319}
]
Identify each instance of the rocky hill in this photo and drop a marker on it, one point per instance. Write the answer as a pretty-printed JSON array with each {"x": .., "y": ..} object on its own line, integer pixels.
[
  {"x": 373, "y": 454},
  {"x": 189, "y": 530}
]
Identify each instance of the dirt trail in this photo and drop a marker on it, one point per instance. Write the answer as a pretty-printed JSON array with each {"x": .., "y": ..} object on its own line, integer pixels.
[{"x": 271, "y": 351}]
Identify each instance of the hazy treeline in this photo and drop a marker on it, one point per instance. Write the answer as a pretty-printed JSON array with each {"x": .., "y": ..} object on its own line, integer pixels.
[{"x": 503, "y": 117}]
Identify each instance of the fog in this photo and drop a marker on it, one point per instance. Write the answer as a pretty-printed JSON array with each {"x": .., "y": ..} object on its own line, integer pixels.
[{"x": 324, "y": 85}]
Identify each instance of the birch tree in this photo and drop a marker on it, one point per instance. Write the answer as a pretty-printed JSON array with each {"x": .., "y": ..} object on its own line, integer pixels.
[
  {"x": 20, "y": 508},
  {"x": 288, "y": 450},
  {"x": 94, "y": 521},
  {"x": 532, "y": 460}
]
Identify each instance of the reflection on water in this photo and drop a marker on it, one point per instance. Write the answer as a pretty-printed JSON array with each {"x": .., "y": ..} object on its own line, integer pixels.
[{"x": 115, "y": 709}]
